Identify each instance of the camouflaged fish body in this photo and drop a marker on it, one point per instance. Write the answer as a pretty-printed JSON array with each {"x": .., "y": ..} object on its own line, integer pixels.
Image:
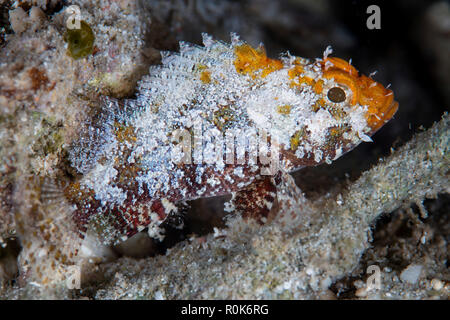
[{"x": 310, "y": 112}]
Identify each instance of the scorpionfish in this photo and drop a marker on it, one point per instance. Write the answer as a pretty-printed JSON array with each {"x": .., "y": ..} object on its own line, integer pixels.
[{"x": 213, "y": 120}]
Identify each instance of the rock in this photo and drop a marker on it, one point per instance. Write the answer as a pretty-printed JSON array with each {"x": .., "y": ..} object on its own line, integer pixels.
[
  {"x": 19, "y": 20},
  {"x": 411, "y": 274}
]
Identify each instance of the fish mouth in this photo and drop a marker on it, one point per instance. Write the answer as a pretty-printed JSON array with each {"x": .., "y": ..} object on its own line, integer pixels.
[
  {"x": 391, "y": 110},
  {"x": 383, "y": 116},
  {"x": 388, "y": 113}
]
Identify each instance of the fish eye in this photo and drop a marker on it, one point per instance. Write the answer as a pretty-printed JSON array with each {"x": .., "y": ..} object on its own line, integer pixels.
[{"x": 336, "y": 95}]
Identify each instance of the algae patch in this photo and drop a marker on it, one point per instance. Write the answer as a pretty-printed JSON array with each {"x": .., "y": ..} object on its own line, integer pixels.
[{"x": 80, "y": 41}]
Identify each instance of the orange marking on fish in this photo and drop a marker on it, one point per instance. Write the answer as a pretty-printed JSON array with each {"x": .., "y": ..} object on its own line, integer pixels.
[{"x": 250, "y": 61}]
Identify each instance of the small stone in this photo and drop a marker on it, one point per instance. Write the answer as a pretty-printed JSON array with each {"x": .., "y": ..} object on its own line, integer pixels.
[
  {"x": 159, "y": 295},
  {"x": 361, "y": 292},
  {"x": 411, "y": 273},
  {"x": 18, "y": 19},
  {"x": 340, "y": 200},
  {"x": 437, "y": 284},
  {"x": 37, "y": 17},
  {"x": 423, "y": 239}
]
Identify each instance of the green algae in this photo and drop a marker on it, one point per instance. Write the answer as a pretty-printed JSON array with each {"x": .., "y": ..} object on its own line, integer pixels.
[{"x": 80, "y": 41}]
